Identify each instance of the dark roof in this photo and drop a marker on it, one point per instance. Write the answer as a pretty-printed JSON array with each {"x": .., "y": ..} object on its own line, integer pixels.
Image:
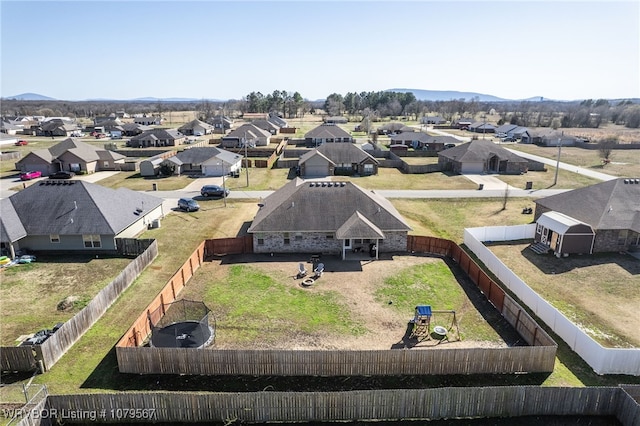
[
  {"x": 340, "y": 153},
  {"x": 195, "y": 123},
  {"x": 613, "y": 204},
  {"x": 396, "y": 127},
  {"x": 11, "y": 228},
  {"x": 248, "y": 129},
  {"x": 265, "y": 125},
  {"x": 309, "y": 206},
  {"x": 78, "y": 208},
  {"x": 130, "y": 127},
  {"x": 82, "y": 150},
  {"x": 410, "y": 136},
  {"x": 325, "y": 131},
  {"x": 479, "y": 150},
  {"x": 164, "y": 134}
]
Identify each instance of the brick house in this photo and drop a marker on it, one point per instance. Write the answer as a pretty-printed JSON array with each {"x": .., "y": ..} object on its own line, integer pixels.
[
  {"x": 481, "y": 156},
  {"x": 611, "y": 209},
  {"x": 337, "y": 218},
  {"x": 326, "y": 133},
  {"x": 337, "y": 159}
]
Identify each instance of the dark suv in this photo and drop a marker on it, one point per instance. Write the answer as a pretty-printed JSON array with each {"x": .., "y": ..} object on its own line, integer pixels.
[{"x": 213, "y": 190}]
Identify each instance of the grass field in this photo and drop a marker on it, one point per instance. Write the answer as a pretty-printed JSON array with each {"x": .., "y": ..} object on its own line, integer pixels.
[
  {"x": 134, "y": 181},
  {"x": 544, "y": 180},
  {"x": 597, "y": 292}
]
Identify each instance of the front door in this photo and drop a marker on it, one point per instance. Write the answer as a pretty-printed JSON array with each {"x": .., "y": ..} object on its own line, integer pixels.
[
  {"x": 554, "y": 240},
  {"x": 347, "y": 244}
]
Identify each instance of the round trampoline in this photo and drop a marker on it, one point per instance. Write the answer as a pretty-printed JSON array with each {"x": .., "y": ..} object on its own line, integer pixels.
[
  {"x": 185, "y": 334},
  {"x": 181, "y": 324}
]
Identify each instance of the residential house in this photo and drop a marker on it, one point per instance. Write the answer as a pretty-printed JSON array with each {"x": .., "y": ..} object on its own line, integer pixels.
[
  {"x": 208, "y": 161},
  {"x": 10, "y": 128},
  {"x": 196, "y": 128},
  {"x": 134, "y": 129},
  {"x": 330, "y": 218},
  {"x": 266, "y": 125},
  {"x": 481, "y": 156},
  {"x": 482, "y": 127},
  {"x": 394, "y": 128},
  {"x": 336, "y": 120},
  {"x": 157, "y": 138},
  {"x": 221, "y": 123},
  {"x": 74, "y": 215},
  {"x": 248, "y": 134},
  {"x": 327, "y": 133},
  {"x": 278, "y": 121},
  {"x": 148, "y": 121},
  {"x": 71, "y": 155},
  {"x": 122, "y": 114},
  {"x": 551, "y": 137},
  {"x": 337, "y": 159},
  {"x": 56, "y": 127},
  {"x": 423, "y": 141},
  {"x": 514, "y": 131},
  {"x": 436, "y": 119},
  {"x": 464, "y": 123},
  {"x": 111, "y": 126},
  {"x": 606, "y": 217}
]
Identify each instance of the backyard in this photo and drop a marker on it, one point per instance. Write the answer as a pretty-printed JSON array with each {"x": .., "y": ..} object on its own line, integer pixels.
[
  {"x": 258, "y": 303},
  {"x": 597, "y": 292}
]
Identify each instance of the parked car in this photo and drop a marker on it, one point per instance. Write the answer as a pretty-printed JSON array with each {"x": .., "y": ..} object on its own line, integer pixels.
[
  {"x": 509, "y": 139},
  {"x": 188, "y": 204},
  {"x": 501, "y": 135},
  {"x": 30, "y": 175},
  {"x": 213, "y": 190},
  {"x": 62, "y": 174},
  {"x": 21, "y": 142}
]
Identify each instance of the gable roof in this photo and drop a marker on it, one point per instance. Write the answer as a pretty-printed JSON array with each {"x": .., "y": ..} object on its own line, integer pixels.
[
  {"x": 309, "y": 206},
  {"x": 78, "y": 208},
  {"x": 396, "y": 127},
  {"x": 327, "y": 131},
  {"x": 199, "y": 155},
  {"x": 81, "y": 150},
  {"x": 11, "y": 228},
  {"x": 479, "y": 150},
  {"x": 248, "y": 129},
  {"x": 559, "y": 222},
  {"x": 195, "y": 123},
  {"x": 339, "y": 153},
  {"x": 358, "y": 226},
  {"x": 613, "y": 204},
  {"x": 163, "y": 134}
]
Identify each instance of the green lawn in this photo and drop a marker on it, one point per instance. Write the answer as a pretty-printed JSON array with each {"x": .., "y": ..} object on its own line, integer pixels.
[
  {"x": 544, "y": 180},
  {"x": 134, "y": 181},
  {"x": 388, "y": 178}
]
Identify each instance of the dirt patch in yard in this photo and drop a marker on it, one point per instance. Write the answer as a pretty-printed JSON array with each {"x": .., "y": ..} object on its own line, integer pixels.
[{"x": 384, "y": 324}]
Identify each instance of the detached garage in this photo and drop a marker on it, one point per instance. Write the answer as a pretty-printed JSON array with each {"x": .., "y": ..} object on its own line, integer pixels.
[{"x": 563, "y": 234}]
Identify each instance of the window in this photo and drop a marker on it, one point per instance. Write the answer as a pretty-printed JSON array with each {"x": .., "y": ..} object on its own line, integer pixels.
[
  {"x": 298, "y": 237},
  {"x": 622, "y": 237},
  {"x": 91, "y": 241},
  {"x": 539, "y": 229},
  {"x": 105, "y": 164},
  {"x": 329, "y": 236},
  {"x": 287, "y": 240},
  {"x": 54, "y": 238},
  {"x": 260, "y": 241}
]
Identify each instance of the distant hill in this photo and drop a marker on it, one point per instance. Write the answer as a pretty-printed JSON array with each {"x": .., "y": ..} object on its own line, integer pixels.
[
  {"x": 30, "y": 97},
  {"x": 447, "y": 95}
]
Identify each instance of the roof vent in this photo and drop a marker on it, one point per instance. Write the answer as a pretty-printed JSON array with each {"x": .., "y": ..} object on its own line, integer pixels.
[
  {"x": 324, "y": 184},
  {"x": 342, "y": 184},
  {"x": 637, "y": 180},
  {"x": 627, "y": 181},
  {"x": 312, "y": 184},
  {"x": 329, "y": 184}
]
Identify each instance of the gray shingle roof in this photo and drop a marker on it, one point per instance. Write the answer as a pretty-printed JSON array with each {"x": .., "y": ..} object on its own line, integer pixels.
[
  {"x": 11, "y": 228},
  {"x": 161, "y": 134},
  {"x": 340, "y": 153},
  {"x": 251, "y": 130},
  {"x": 613, "y": 204},
  {"x": 480, "y": 150},
  {"x": 300, "y": 207},
  {"x": 78, "y": 208},
  {"x": 325, "y": 131},
  {"x": 199, "y": 155},
  {"x": 195, "y": 123}
]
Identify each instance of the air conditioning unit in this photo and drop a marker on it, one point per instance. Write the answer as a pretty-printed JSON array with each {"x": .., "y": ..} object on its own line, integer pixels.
[{"x": 154, "y": 224}]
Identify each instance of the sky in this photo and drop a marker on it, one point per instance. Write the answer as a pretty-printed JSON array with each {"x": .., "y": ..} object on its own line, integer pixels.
[{"x": 77, "y": 50}]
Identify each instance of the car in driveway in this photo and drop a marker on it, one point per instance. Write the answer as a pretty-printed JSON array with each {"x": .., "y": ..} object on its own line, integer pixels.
[
  {"x": 62, "y": 174},
  {"x": 188, "y": 205},
  {"x": 21, "y": 142},
  {"x": 30, "y": 175},
  {"x": 213, "y": 191}
]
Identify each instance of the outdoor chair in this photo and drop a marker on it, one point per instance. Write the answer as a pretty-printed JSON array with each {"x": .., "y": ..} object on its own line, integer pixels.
[
  {"x": 302, "y": 271},
  {"x": 319, "y": 270}
]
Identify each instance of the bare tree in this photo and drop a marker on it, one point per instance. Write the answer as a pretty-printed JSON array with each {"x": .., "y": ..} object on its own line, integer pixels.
[{"x": 605, "y": 147}]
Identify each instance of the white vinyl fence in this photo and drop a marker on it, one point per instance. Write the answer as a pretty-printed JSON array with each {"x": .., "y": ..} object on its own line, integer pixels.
[{"x": 602, "y": 360}]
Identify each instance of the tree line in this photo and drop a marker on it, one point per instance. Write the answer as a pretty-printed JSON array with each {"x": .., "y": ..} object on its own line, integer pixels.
[{"x": 363, "y": 106}]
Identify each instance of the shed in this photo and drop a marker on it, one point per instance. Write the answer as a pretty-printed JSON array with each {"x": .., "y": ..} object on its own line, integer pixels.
[
  {"x": 150, "y": 167},
  {"x": 563, "y": 234}
]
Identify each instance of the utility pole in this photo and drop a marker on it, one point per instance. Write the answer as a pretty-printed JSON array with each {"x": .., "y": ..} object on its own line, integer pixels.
[
  {"x": 555, "y": 178},
  {"x": 246, "y": 159}
]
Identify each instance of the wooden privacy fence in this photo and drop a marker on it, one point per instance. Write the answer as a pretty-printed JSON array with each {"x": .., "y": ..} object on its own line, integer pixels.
[
  {"x": 141, "y": 328},
  {"x": 390, "y": 404},
  {"x": 51, "y": 350},
  {"x": 222, "y": 246},
  {"x": 539, "y": 357}
]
